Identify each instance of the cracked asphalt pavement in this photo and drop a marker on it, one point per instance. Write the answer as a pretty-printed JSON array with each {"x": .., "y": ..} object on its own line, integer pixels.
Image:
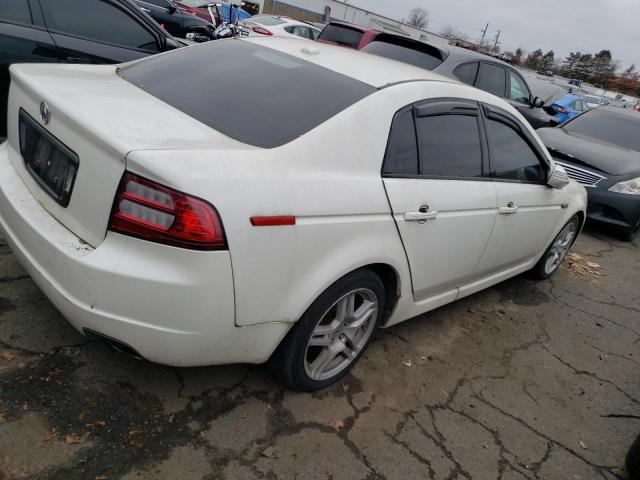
[{"x": 522, "y": 381}]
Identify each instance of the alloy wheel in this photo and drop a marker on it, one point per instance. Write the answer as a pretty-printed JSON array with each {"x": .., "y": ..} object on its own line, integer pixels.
[
  {"x": 560, "y": 247},
  {"x": 341, "y": 334}
]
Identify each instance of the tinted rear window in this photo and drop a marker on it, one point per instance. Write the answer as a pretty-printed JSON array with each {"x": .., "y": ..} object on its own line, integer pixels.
[
  {"x": 492, "y": 79},
  {"x": 407, "y": 51},
  {"x": 612, "y": 127},
  {"x": 341, "y": 35},
  {"x": 450, "y": 146},
  {"x": 467, "y": 73},
  {"x": 248, "y": 92},
  {"x": 15, "y": 11}
]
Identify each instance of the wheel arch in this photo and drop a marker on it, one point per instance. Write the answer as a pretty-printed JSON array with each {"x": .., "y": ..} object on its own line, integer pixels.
[{"x": 391, "y": 280}]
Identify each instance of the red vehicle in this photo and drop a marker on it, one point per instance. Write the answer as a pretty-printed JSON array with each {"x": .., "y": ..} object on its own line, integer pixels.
[
  {"x": 200, "y": 8},
  {"x": 347, "y": 35}
]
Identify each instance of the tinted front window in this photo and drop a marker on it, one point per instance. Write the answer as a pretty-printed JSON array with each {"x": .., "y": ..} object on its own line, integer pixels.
[
  {"x": 98, "y": 20},
  {"x": 402, "y": 150},
  {"x": 341, "y": 35},
  {"x": 15, "y": 11},
  {"x": 414, "y": 53},
  {"x": 304, "y": 94},
  {"x": 467, "y": 73},
  {"x": 513, "y": 158},
  {"x": 617, "y": 128},
  {"x": 449, "y": 146},
  {"x": 492, "y": 79}
]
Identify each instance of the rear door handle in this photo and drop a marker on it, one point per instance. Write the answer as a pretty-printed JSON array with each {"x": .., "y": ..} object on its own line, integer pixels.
[
  {"x": 420, "y": 216},
  {"x": 510, "y": 209}
]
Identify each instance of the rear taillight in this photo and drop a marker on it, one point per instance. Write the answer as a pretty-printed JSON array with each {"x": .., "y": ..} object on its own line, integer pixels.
[
  {"x": 147, "y": 210},
  {"x": 262, "y": 31}
]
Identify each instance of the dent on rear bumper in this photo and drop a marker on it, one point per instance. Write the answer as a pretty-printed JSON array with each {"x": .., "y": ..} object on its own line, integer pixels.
[{"x": 173, "y": 306}]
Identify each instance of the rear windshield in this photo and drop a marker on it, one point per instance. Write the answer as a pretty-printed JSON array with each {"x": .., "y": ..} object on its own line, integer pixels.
[
  {"x": 341, "y": 35},
  {"x": 407, "y": 51},
  {"x": 248, "y": 92},
  {"x": 267, "y": 20},
  {"x": 612, "y": 127}
]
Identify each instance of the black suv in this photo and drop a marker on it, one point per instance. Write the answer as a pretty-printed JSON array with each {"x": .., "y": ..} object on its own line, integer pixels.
[
  {"x": 175, "y": 20},
  {"x": 74, "y": 31}
]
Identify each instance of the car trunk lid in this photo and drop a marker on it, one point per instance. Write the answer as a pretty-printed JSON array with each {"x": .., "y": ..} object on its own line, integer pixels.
[{"x": 94, "y": 119}]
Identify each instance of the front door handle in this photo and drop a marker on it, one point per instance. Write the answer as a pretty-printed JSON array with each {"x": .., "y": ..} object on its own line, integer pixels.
[
  {"x": 510, "y": 209},
  {"x": 76, "y": 60}
]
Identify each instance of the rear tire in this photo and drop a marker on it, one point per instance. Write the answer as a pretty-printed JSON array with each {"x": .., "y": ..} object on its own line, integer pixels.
[
  {"x": 333, "y": 333},
  {"x": 553, "y": 257}
]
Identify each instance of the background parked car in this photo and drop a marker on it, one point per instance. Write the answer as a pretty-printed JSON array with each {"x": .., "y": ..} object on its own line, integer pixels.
[
  {"x": 176, "y": 21},
  {"x": 108, "y": 31},
  {"x": 567, "y": 107},
  {"x": 601, "y": 150},
  {"x": 279, "y": 26},
  {"x": 472, "y": 68},
  {"x": 596, "y": 101}
]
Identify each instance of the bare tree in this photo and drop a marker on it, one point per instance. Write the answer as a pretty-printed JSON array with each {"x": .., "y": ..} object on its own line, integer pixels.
[
  {"x": 453, "y": 33},
  {"x": 418, "y": 17}
]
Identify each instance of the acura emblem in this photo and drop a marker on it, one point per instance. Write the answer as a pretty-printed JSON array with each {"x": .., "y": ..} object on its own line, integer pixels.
[{"x": 45, "y": 112}]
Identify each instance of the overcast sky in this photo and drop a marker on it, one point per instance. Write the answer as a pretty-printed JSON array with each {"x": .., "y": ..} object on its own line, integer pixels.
[{"x": 561, "y": 25}]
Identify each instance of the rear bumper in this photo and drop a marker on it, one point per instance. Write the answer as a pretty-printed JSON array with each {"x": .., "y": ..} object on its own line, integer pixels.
[
  {"x": 173, "y": 306},
  {"x": 617, "y": 210}
]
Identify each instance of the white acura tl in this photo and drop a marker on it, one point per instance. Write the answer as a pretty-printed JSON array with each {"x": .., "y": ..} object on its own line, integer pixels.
[{"x": 280, "y": 208}]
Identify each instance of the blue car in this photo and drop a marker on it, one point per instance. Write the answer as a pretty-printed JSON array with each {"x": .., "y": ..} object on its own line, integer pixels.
[
  {"x": 225, "y": 9},
  {"x": 567, "y": 107}
]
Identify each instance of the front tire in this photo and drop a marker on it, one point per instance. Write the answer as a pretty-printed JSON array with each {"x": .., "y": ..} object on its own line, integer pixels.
[
  {"x": 556, "y": 252},
  {"x": 332, "y": 334},
  {"x": 631, "y": 234}
]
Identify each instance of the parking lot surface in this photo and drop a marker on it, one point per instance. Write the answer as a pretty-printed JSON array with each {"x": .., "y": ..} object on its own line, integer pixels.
[{"x": 524, "y": 380}]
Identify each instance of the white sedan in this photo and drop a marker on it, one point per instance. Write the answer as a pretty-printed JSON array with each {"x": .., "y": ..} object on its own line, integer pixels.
[
  {"x": 191, "y": 227},
  {"x": 270, "y": 25}
]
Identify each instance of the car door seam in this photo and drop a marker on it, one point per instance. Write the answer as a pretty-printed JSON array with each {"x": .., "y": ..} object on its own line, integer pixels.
[{"x": 397, "y": 227}]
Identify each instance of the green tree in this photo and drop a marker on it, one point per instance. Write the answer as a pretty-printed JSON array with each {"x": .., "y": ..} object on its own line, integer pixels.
[
  {"x": 570, "y": 64},
  {"x": 547, "y": 62},
  {"x": 516, "y": 59},
  {"x": 602, "y": 67},
  {"x": 534, "y": 60}
]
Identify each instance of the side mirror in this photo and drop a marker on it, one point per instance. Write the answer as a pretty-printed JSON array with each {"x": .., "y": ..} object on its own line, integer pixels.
[
  {"x": 537, "y": 102},
  {"x": 197, "y": 37},
  {"x": 171, "y": 44},
  {"x": 558, "y": 177}
]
